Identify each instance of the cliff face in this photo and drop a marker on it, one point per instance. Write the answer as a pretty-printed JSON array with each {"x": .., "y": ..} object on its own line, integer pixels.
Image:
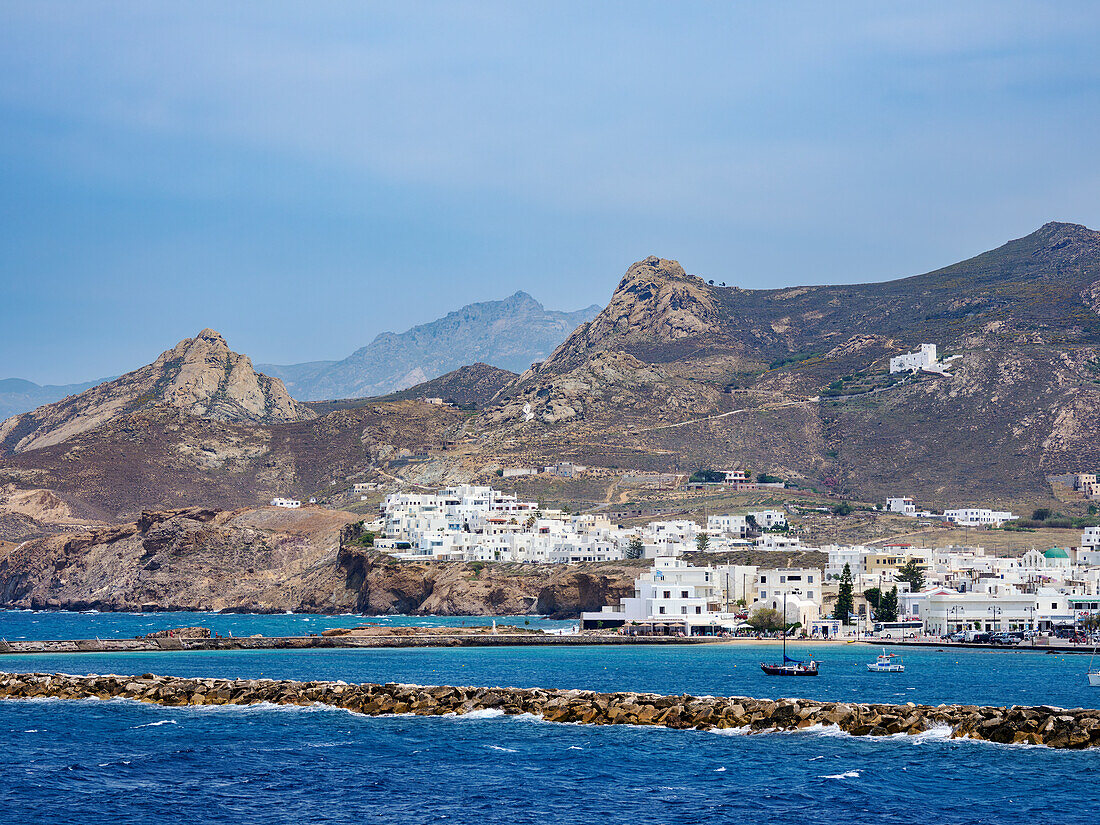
[
  {"x": 272, "y": 560},
  {"x": 199, "y": 375}
]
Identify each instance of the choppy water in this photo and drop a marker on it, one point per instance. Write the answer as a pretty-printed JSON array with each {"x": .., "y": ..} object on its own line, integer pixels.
[{"x": 121, "y": 761}]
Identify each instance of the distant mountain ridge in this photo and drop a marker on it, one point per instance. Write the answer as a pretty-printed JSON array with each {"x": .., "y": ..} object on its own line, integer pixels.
[
  {"x": 17, "y": 395},
  {"x": 511, "y": 334}
]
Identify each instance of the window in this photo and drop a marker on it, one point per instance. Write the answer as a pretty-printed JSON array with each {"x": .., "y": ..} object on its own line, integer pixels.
[
  {"x": 782, "y": 579},
  {"x": 763, "y": 579},
  {"x": 763, "y": 594},
  {"x": 668, "y": 594},
  {"x": 698, "y": 609},
  {"x": 661, "y": 609},
  {"x": 810, "y": 579},
  {"x": 684, "y": 609},
  {"x": 1054, "y": 605},
  {"x": 684, "y": 594},
  {"x": 809, "y": 594}
]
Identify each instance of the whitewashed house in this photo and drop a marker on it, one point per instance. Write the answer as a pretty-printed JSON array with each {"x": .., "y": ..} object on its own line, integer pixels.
[{"x": 924, "y": 358}]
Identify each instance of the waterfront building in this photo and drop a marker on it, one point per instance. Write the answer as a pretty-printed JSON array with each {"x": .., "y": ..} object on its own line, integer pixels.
[{"x": 673, "y": 597}]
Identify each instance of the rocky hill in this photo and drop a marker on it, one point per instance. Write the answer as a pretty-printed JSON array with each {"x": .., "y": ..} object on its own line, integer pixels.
[
  {"x": 510, "y": 334},
  {"x": 470, "y": 387},
  {"x": 199, "y": 375},
  {"x": 677, "y": 373},
  {"x": 674, "y": 374}
]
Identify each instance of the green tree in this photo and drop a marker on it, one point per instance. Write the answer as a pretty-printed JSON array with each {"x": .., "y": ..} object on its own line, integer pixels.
[
  {"x": 873, "y": 595},
  {"x": 911, "y": 572},
  {"x": 765, "y": 618},
  {"x": 844, "y": 601},
  {"x": 636, "y": 548},
  {"x": 843, "y": 509},
  {"x": 888, "y": 606},
  {"x": 702, "y": 542},
  {"x": 1042, "y": 514}
]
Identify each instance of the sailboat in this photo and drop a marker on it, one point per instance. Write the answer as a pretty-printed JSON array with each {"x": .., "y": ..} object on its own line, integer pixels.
[
  {"x": 789, "y": 667},
  {"x": 1094, "y": 674}
]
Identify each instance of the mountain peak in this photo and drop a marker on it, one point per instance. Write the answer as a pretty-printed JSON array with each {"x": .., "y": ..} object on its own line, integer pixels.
[
  {"x": 199, "y": 375},
  {"x": 1056, "y": 234}
]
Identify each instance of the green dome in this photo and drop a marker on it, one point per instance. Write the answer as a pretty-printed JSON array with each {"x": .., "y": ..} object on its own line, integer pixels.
[{"x": 1056, "y": 553}]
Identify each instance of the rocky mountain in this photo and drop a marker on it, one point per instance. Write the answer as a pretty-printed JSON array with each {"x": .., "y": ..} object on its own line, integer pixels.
[
  {"x": 677, "y": 373},
  {"x": 18, "y": 395},
  {"x": 199, "y": 375},
  {"x": 511, "y": 334},
  {"x": 674, "y": 374}
]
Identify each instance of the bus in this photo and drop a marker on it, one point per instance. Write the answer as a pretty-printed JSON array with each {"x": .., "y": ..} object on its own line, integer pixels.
[{"x": 899, "y": 630}]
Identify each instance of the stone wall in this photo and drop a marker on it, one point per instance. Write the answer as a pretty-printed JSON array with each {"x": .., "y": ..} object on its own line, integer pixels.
[{"x": 1044, "y": 725}]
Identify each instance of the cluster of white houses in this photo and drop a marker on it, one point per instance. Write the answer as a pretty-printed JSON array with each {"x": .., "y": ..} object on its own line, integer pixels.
[
  {"x": 473, "y": 523},
  {"x": 964, "y": 589},
  {"x": 963, "y": 516}
]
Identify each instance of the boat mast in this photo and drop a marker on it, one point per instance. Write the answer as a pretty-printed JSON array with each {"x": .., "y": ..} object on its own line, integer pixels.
[{"x": 784, "y": 627}]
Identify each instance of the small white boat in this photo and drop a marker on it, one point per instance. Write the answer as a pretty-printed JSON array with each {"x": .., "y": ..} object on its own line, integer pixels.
[
  {"x": 1094, "y": 674},
  {"x": 889, "y": 663}
]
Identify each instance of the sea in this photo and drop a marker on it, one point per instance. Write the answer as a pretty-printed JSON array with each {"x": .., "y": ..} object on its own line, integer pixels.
[{"x": 118, "y": 761}]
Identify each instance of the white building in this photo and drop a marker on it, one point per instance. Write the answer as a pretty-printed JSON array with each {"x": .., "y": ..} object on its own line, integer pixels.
[
  {"x": 801, "y": 587},
  {"x": 288, "y": 503},
  {"x": 902, "y": 504},
  {"x": 673, "y": 597},
  {"x": 769, "y": 519},
  {"x": 777, "y": 541},
  {"x": 728, "y": 526},
  {"x": 978, "y": 516},
  {"x": 513, "y": 472},
  {"x": 1090, "y": 539},
  {"x": 923, "y": 358}
]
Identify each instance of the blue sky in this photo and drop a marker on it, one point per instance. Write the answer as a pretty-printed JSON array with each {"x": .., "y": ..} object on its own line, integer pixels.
[{"x": 304, "y": 176}]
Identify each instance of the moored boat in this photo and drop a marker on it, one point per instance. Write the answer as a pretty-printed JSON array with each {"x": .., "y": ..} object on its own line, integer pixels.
[
  {"x": 887, "y": 663},
  {"x": 789, "y": 667}
]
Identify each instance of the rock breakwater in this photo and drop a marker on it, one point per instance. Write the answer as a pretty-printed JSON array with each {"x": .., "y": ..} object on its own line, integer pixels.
[{"x": 1041, "y": 725}]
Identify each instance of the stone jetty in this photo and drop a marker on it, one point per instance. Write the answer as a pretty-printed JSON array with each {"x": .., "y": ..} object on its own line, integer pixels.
[{"x": 1042, "y": 725}]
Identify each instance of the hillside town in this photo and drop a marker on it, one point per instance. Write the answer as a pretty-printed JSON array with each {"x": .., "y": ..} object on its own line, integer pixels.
[{"x": 896, "y": 589}]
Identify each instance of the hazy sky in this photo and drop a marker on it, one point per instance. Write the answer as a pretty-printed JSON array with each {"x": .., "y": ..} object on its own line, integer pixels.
[{"x": 303, "y": 176}]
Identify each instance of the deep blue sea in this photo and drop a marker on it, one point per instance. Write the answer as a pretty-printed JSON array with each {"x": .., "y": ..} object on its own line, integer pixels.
[{"x": 123, "y": 762}]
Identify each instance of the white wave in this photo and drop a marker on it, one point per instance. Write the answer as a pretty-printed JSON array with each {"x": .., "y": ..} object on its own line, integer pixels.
[
  {"x": 720, "y": 770},
  {"x": 32, "y": 730},
  {"x": 500, "y": 748},
  {"x": 156, "y": 724},
  {"x": 574, "y": 748},
  {"x": 845, "y": 775},
  {"x": 483, "y": 713}
]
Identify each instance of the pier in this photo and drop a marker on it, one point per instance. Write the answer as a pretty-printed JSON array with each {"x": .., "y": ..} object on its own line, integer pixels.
[
  {"x": 1042, "y": 725},
  {"x": 185, "y": 643}
]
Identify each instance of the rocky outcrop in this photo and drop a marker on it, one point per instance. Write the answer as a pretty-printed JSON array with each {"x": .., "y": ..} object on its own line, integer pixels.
[
  {"x": 271, "y": 560},
  {"x": 1054, "y": 727},
  {"x": 656, "y": 301},
  {"x": 452, "y": 589},
  {"x": 199, "y": 375}
]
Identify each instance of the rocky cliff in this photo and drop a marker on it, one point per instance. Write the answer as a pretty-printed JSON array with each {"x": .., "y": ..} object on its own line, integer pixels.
[
  {"x": 273, "y": 560},
  {"x": 199, "y": 375}
]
